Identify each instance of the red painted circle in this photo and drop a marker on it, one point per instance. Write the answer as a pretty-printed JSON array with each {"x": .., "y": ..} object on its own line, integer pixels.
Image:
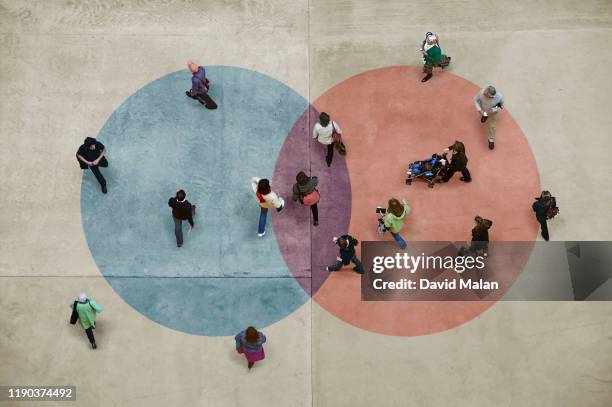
[{"x": 389, "y": 119}]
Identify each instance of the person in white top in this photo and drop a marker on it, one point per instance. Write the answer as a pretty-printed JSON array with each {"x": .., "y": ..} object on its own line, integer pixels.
[
  {"x": 488, "y": 103},
  {"x": 266, "y": 199},
  {"x": 323, "y": 133}
]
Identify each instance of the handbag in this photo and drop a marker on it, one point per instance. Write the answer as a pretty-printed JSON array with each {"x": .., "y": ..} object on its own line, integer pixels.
[
  {"x": 312, "y": 198},
  {"x": 74, "y": 317},
  {"x": 337, "y": 137}
]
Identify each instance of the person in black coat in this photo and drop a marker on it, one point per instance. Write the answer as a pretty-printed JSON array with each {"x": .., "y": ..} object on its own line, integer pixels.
[
  {"x": 92, "y": 155},
  {"x": 541, "y": 206},
  {"x": 458, "y": 163},
  {"x": 347, "y": 245},
  {"x": 182, "y": 210},
  {"x": 480, "y": 237}
]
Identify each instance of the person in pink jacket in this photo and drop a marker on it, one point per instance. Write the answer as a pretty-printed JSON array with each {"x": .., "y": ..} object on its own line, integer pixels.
[{"x": 267, "y": 199}]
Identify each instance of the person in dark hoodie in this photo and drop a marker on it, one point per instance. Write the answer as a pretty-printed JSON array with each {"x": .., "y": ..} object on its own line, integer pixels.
[
  {"x": 199, "y": 86},
  {"x": 305, "y": 191},
  {"x": 182, "y": 210},
  {"x": 347, "y": 245},
  {"x": 541, "y": 206},
  {"x": 92, "y": 155},
  {"x": 458, "y": 163},
  {"x": 480, "y": 237}
]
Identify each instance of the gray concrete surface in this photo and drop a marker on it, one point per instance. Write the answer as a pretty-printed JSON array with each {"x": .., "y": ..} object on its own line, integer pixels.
[{"x": 66, "y": 65}]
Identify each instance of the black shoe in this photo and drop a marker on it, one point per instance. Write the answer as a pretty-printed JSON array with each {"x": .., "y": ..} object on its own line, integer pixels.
[
  {"x": 483, "y": 119},
  {"x": 315, "y": 223},
  {"x": 465, "y": 180},
  {"x": 427, "y": 77},
  {"x": 94, "y": 346},
  {"x": 358, "y": 271},
  {"x": 491, "y": 145},
  {"x": 104, "y": 190},
  {"x": 179, "y": 245}
]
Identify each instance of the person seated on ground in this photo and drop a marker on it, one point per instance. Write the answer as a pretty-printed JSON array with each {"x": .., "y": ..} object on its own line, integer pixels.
[
  {"x": 432, "y": 56},
  {"x": 347, "y": 245},
  {"x": 458, "y": 163},
  {"x": 480, "y": 237}
]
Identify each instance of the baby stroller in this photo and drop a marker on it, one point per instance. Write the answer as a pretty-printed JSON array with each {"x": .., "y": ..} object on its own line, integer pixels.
[{"x": 429, "y": 169}]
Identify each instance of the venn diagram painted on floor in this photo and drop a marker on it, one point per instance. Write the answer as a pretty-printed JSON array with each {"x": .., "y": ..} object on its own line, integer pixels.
[{"x": 225, "y": 277}]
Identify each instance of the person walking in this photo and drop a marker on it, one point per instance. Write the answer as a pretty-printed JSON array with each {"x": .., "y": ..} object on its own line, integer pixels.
[
  {"x": 347, "y": 244},
  {"x": 480, "y": 239},
  {"x": 305, "y": 191},
  {"x": 250, "y": 343},
  {"x": 432, "y": 56},
  {"x": 267, "y": 199},
  {"x": 394, "y": 219},
  {"x": 199, "y": 86},
  {"x": 182, "y": 210},
  {"x": 458, "y": 163},
  {"x": 91, "y": 154},
  {"x": 86, "y": 311},
  {"x": 541, "y": 207},
  {"x": 488, "y": 103},
  {"x": 323, "y": 132}
]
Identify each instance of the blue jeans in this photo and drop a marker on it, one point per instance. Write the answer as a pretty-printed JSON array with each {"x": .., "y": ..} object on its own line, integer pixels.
[
  {"x": 262, "y": 220},
  {"x": 399, "y": 240}
]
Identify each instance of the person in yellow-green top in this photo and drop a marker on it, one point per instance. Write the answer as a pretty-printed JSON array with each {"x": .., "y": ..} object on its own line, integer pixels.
[
  {"x": 432, "y": 55},
  {"x": 394, "y": 219},
  {"x": 87, "y": 310}
]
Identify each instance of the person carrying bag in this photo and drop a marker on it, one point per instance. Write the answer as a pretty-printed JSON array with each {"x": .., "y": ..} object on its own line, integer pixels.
[{"x": 305, "y": 191}]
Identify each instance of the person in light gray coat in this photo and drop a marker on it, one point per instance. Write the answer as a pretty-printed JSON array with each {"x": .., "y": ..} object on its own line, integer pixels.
[{"x": 488, "y": 103}]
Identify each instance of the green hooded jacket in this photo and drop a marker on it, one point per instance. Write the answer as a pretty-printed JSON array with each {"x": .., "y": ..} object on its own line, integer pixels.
[
  {"x": 396, "y": 223},
  {"x": 433, "y": 54},
  {"x": 87, "y": 312}
]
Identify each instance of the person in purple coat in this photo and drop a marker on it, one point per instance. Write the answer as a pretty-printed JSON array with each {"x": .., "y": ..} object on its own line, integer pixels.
[
  {"x": 199, "y": 86},
  {"x": 250, "y": 343}
]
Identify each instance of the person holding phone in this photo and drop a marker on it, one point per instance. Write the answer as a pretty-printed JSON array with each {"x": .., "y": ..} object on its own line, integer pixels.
[{"x": 488, "y": 103}]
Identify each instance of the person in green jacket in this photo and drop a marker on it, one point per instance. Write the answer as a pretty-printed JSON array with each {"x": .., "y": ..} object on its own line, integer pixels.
[
  {"x": 394, "y": 219},
  {"x": 87, "y": 310},
  {"x": 432, "y": 56}
]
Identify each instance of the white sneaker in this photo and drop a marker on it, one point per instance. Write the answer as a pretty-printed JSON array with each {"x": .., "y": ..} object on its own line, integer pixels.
[{"x": 261, "y": 234}]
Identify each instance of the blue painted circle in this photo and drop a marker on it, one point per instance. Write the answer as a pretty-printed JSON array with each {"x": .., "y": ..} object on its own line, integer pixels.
[{"x": 224, "y": 278}]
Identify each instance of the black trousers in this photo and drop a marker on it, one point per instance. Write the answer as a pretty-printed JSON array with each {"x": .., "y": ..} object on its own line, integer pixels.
[
  {"x": 464, "y": 171},
  {"x": 96, "y": 171},
  {"x": 544, "y": 227},
  {"x": 330, "y": 154},
  {"x": 315, "y": 213},
  {"x": 90, "y": 335}
]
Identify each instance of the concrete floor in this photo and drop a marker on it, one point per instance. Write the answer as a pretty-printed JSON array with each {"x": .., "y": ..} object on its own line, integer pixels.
[{"x": 66, "y": 66}]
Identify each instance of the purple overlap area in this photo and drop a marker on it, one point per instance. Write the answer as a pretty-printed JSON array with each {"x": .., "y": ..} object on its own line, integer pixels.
[{"x": 308, "y": 249}]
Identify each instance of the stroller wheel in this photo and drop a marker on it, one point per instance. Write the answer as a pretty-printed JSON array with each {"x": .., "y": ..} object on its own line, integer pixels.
[
  {"x": 430, "y": 184},
  {"x": 408, "y": 181}
]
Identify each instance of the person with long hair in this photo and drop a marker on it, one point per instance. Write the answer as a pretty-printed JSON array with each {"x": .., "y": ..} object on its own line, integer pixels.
[
  {"x": 458, "y": 163},
  {"x": 305, "y": 191},
  {"x": 323, "y": 132},
  {"x": 394, "y": 219},
  {"x": 250, "y": 343},
  {"x": 266, "y": 198}
]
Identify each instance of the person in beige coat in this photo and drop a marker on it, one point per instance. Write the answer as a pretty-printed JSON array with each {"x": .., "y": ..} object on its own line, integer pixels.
[{"x": 267, "y": 199}]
